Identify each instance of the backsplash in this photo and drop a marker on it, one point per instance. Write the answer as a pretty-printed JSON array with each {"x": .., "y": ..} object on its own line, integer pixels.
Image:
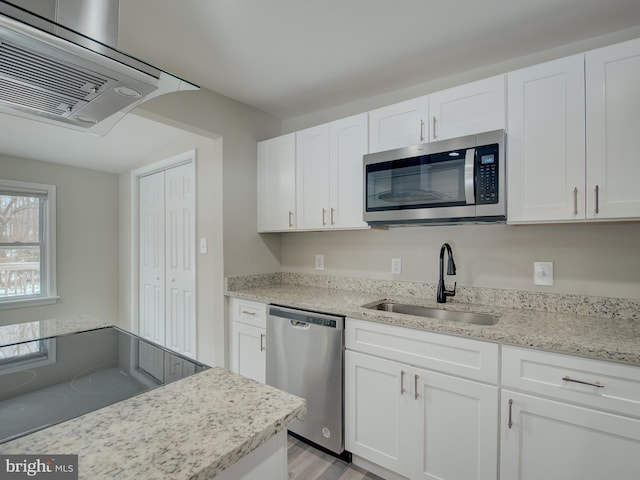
[{"x": 604, "y": 307}]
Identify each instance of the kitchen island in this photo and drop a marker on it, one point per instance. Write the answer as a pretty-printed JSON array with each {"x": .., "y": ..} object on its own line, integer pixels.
[{"x": 211, "y": 424}]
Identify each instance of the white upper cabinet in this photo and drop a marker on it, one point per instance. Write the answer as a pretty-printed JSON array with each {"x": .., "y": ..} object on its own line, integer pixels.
[
  {"x": 613, "y": 125},
  {"x": 468, "y": 109},
  {"x": 398, "y": 125},
  {"x": 312, "y": 177},
  {"x": 277, "y": 184},
  {"x": 329, "y": 174},
  {"x": 348, "y": 142},
  {"x": 546, "y": 142}
]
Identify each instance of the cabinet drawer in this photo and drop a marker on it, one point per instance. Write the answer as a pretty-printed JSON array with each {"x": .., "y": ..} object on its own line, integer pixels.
[
  {"x": 609, "y": 386},
  {"x": 248, "y": 312},
  {"x": 463, "y": 357}
]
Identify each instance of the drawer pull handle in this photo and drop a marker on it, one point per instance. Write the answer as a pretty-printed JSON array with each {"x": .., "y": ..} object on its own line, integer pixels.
[
  {"x": 510, "y": 422},
  {"x": 402, "y": 389},
  {"x": 415, "y": 386},
  {"x": 244, "y": 312},
  {"x": 567, "y": 378}
]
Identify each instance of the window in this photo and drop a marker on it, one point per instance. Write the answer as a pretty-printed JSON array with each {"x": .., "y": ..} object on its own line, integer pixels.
[
  {"x": 16, "y": 354},
  {"x": 27, "y": 244}
]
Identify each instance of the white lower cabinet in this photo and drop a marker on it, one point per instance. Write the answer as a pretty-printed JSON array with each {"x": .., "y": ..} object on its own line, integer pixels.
[
  {"x": 416, "y": 422},
  {"x": 574, "y": 418},
  {"x": 248, "y": 339}
]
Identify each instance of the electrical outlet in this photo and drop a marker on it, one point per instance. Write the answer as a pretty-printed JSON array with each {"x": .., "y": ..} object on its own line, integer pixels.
[
  {"x": 543, "y": 273},
  {"x": 319, "y": 262},
  {"x": 396, "y": 266}
]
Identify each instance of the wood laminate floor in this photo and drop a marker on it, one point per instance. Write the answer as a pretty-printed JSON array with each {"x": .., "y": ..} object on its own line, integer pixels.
[{"x": 307, "y": 463}]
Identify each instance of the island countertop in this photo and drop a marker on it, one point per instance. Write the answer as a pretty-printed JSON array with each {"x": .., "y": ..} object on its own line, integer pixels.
[
  {"x": 193, "y": 428},
  {"x": 613, "y": 339}
]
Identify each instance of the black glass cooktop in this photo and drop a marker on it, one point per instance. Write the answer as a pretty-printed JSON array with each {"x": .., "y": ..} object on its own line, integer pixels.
[{"x": 48, "y": 381}]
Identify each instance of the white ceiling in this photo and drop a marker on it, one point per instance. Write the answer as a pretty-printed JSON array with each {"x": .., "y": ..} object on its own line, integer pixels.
[{"x": 294, "y": 57}]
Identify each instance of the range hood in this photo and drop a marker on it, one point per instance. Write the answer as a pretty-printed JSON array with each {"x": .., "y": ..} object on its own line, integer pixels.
[{"x": 59, "y": 64}]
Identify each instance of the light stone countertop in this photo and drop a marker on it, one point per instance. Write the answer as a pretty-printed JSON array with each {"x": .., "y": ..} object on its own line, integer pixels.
[
  {"x": 193, "y": 428},
  {"x": 614, "y": 339}
]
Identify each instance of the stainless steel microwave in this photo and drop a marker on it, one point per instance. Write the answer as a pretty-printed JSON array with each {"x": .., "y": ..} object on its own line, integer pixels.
[{"x": 457, "y": 180}]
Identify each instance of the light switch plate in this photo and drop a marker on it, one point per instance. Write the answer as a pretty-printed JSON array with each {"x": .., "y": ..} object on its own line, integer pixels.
[
  {"x": 396, "y": 266},
  {"x": 319, "y": 262},
  {"x": 543, "y": 273},
  {"x": 203, "y": 245}
]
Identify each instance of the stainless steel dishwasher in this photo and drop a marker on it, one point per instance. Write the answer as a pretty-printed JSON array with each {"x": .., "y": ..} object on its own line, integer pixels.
[{"x": 305, "y": 357}]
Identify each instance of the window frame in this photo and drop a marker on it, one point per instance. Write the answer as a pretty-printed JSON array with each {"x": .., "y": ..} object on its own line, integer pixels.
[{"x": 48, "y": 285}]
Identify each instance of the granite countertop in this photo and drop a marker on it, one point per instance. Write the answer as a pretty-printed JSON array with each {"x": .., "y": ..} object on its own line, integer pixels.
[
  {"x": 615, "y": 339},
  {"x": 193, "y": 428}
]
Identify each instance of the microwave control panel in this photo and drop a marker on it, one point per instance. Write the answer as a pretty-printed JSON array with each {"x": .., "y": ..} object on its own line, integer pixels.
[{"x": 487, "y": 174}]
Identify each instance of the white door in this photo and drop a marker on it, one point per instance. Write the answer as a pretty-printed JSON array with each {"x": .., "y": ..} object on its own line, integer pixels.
[
  {"x": 348, "y": 142},
  {"x": 546, "y": 142},
  {"x": 152, "y": 258},
  {"x": 277, "y": 184},
  {"x": 557, "y": 441},
  {"x": 468, "y": 109},
  {"x": 398, "y": 125},
  {"x": 376, "y": 409},
  {"x": 456, "y": 428},
  {"x": 613, "y": 124},
  {"x": 180, "y": 260},
  {"x": 312, "y": 178},
  {"x": 248, "y": 354}
]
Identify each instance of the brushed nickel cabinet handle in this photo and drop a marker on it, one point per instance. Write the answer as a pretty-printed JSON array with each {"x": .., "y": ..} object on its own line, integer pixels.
[
  {"x": 324, "y": 211},
  {"x": 510, "y": 422},
  {"x": 262, "y": 336},
  {"x": 575, "y": 200},
  {"x": 567, "y": 378},
  {"x": 333, "y": 210},
  {"x": 402, "y": 389},
  {"x": 421, "y": 131},
  {"x": 415, "y": 386},
  {"x": 597, "y": 199},
  {"x": 290, "y": 218},
  {"x": 434, "y": 127},
  {"x": 245, "y": 312}
]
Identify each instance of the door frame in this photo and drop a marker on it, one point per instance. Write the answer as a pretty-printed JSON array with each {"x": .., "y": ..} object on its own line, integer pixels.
[{"x": 188, "y": 157}]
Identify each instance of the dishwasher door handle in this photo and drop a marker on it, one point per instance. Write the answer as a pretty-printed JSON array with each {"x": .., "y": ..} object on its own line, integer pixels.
[{"x": 299, "y": 324}]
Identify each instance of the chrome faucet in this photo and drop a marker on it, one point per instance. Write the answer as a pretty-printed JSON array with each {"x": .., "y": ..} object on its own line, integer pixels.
[{"x": 443, "y": 293}]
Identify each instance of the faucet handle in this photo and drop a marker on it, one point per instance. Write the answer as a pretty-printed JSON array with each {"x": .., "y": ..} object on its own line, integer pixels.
[{"x": 451, "y": 293}]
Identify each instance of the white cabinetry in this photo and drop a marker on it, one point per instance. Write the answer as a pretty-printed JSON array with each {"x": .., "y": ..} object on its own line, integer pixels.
[
  {"x": 248, "y": 338},
  {"x": 468, "y": 109},
  {"x": 586, "y": 428},
  {"x": 398, "y": 125},
  {"x": 329, "y": 174},
  {"x": 558, "y": 171},
  {"x": 414, "y": 403},
  {"x": 613, "y": 123},
  {"x": 277, "y": 184}
]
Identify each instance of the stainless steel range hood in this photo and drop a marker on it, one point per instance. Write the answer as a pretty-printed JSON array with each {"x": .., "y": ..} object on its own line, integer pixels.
[{"x": 59, "y": 64}]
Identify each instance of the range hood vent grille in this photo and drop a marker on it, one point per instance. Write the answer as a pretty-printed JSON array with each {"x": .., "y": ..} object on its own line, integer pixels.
[{"x": 40, "y": 83}]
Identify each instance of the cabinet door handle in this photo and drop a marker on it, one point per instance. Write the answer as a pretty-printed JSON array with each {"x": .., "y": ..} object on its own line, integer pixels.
[
  {"x": 575, "y": 200},
  {"x": 434, "y": 128},
  {"x": 597, "y": 199},
  {"x": 510, "y": 422},
  {"x": 262, "y": 335},
  {"x": 421, "y": 131},
  {"x": 245, "y": 312},
  {"x": 415, "y": 387},
  {"x": 567, "y": 378},
  {"x": 333, "y": 210},
  {"x": 290, "y": 218},
  {"x": 324, "y": 211},
  {"x": 402, "y": 390}
]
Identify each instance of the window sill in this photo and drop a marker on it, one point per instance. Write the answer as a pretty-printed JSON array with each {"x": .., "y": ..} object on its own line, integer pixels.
[{"x": 28, "y": 302}]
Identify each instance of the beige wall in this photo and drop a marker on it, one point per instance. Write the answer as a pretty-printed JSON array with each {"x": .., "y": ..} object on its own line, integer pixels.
[{"x": 86, "y": 244}]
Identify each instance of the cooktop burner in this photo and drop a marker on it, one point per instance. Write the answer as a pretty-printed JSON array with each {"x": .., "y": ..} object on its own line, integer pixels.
[{"x": 55, "y": 379}]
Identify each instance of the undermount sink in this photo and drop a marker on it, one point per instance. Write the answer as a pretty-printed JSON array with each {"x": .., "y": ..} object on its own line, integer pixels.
[{"x": 407, "y": 309}]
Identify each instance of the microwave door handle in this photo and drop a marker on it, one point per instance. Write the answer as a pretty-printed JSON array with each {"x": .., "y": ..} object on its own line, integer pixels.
[{"x": 469, "y": 164}]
